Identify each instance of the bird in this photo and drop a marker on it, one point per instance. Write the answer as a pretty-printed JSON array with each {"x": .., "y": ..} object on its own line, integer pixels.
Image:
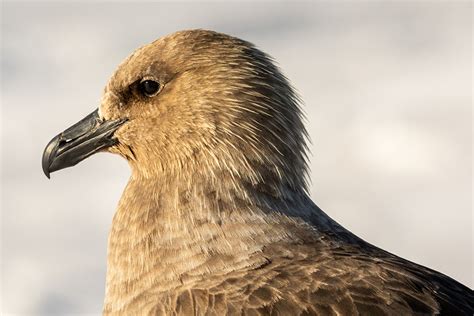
[{"x": 216, "y": 217}]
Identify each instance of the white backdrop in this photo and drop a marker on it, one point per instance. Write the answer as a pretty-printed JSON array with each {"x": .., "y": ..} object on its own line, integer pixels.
[{"x": 387, "y": 91}]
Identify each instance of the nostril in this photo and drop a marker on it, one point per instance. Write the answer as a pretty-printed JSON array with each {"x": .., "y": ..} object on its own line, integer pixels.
[{"x": 64, "y": 141}]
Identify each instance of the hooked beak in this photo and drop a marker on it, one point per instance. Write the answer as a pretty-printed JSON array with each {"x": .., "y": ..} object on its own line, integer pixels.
[{"x": 79, "y": 141}]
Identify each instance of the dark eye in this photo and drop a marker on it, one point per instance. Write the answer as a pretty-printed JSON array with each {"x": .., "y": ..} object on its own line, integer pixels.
[{"x": 149, "y": 87}]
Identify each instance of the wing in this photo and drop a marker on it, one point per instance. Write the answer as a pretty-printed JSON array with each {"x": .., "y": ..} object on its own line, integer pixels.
[{"x": 328, "y": 278}]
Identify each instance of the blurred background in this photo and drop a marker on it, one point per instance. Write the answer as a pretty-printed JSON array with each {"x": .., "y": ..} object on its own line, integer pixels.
[{"x": 387, "y": 88}]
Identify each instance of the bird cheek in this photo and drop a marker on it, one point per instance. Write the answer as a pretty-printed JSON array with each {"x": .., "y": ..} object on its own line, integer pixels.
[
  {"x": 123, "y": 135},
  {"x": 109, "y": 106},
  {"x": 126, "y": 145}
]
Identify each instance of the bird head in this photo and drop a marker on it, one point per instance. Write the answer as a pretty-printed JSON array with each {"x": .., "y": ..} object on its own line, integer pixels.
[{"x": 194, "y": 103}]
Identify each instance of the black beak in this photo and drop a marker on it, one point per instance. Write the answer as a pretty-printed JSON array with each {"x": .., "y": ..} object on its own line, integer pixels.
[{"x": 79, "y": 141}]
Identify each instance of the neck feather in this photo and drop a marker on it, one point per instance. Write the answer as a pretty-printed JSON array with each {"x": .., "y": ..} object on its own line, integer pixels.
[{"x": 161, "y": 226}]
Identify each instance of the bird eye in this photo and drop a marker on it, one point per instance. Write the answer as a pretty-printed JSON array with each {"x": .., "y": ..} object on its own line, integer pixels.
[{"x": 149, "y": 87}]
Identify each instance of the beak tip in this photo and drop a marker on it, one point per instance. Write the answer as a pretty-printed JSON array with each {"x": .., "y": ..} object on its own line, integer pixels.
[
  {"x": 46, "y": 170},
  {"x": 46, "y": 159}
]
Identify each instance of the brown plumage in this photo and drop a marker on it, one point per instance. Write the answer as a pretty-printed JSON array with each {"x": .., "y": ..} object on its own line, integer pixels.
[{"x": 216, "y": 218}]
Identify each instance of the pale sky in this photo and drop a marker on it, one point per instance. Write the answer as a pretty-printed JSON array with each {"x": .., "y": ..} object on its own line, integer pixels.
[{"x": 387, "y": 88}]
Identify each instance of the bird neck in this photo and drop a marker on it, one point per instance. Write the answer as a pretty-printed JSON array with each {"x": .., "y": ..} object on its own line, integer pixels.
[{"x": 189, "y": 232}]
